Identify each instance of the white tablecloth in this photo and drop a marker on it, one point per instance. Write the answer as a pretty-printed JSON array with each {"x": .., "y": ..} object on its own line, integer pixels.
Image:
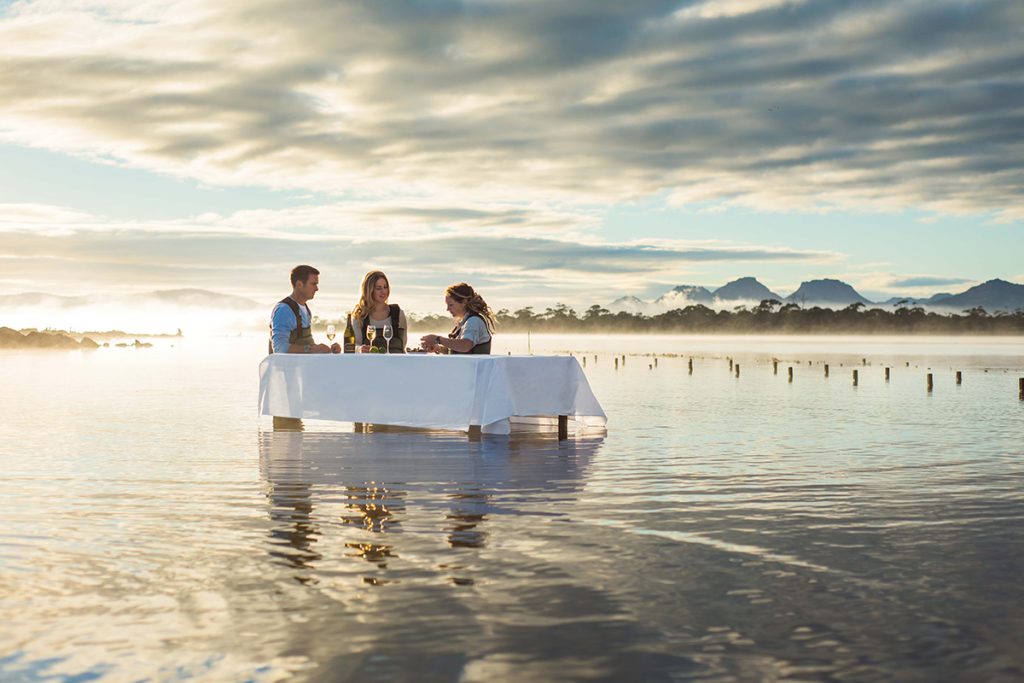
[{"x": 425, "y": 390}]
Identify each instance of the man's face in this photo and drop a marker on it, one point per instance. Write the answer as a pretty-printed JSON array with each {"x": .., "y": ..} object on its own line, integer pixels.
[{"x": 308, "y": 288}]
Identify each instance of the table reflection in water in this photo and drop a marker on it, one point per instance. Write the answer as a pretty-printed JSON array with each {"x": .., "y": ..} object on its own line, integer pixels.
[{"x": 410, "y": 505}]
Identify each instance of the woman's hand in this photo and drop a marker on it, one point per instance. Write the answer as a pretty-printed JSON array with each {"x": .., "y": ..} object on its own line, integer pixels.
[
  {"x": 428, "y": 342},
  {"x": 365, "y": 348}
]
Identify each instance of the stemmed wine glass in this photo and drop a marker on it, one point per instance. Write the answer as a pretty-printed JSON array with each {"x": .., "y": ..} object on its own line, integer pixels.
[
  {"x": 388, "y": 334},
  {"x": 371, "y": 332},
  {"x": 332, "y": 332}
]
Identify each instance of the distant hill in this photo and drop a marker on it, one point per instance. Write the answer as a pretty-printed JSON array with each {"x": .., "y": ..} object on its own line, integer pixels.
[
  {"x": 683, "y": 296},
  {"x": 201, "y": 297},
  {"x": 628, "y": 304},
  {"x": 42, "y": 299},
  {"x": 933, "y": 300},
  {"x": 826, "y": 292},
  {"x": 994, "y": 295},
  {"x": 745, "y": 289}
]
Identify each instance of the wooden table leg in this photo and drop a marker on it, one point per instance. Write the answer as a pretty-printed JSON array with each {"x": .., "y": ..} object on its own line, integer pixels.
[
  {"x": 288, "y": 424},
  {"x": 563, "y": 427}
]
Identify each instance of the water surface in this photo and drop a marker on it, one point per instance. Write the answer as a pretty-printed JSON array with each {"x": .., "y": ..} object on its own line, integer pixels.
[{"x": 751, "y": 528}]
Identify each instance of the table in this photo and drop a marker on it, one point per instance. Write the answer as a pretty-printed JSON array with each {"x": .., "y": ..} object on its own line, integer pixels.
[{"x": 427, "y": 390}]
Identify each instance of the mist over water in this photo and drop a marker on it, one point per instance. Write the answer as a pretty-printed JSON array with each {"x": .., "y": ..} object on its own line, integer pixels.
[
  {"x": 134, "y": 316},
  {"x": 723, "y": 528}
]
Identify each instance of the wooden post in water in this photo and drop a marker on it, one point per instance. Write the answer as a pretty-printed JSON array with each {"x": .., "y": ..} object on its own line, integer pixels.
[
  {"x": 655, "y": 361},
  {"x": 863, "y": 361},
  {"x": 730, "y": 365},
  {"x": 1022, "y": 388},
  {"x": 616, "y": 363},
  {"x": 288, "y": 424},
  {"x": 826, "y": 369},
  {"x": 775, "y": 367},
  {"x": 584, "y": 361},
  {"x": 563, "y": 427},
  {"x": 887, "y": 374},
  {"x": 790, "y": 373},
  {"x": 959, "y": 377},
  {"x": 623, "y": 360},
  {"x": 854, "y": 378},
  {"x": 691, "y": 366},
  {"x": 929, "y": 382},
  {"x": 737, "y": 369}
]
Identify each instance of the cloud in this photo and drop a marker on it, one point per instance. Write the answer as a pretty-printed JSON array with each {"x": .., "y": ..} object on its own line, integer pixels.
[
  {"x": 254, "y": 261},
  {"x": 755, "y": 103},
  {"x": 929, "y": 281}
]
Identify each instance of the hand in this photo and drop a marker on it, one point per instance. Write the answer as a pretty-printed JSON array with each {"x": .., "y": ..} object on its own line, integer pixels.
[
  {"x": 335, "y": 347},
  {"x": 429, "y": 342},
  {"x": 365, "y": 348},
  {"x": 321, "y": 348}
]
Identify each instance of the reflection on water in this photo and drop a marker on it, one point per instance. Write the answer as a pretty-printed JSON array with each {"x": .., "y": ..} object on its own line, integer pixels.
[
  {"x": 357, "y": 491},
  {"x": 294, "y": 534},
  {"x": 469, "y": 510},
  {"x": 723, "y": 529}
]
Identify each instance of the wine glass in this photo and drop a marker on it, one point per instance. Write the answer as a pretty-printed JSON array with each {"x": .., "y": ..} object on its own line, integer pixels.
[
  {"x": 388, "y": 334},
  {"x": 332, "y": 332},
  {"x": 371, "y": 332}
]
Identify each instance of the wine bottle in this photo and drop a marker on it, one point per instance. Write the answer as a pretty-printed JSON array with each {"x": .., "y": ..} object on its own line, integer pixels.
[{"x": 349, "y": 336}]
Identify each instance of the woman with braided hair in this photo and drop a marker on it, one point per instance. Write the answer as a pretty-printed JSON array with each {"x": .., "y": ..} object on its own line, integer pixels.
[{"x": 474, "y": 323}]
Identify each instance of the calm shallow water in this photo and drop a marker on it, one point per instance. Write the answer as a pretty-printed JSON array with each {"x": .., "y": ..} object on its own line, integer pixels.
[{"x": 152, "y": 527}]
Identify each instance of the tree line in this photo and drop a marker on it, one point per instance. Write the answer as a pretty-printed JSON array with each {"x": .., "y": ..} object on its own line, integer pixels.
[{"x": 769, "y": 316}]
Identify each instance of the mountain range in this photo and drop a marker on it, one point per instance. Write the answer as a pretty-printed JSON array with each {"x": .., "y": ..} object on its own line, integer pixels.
[{"x": 994, "y": 296}]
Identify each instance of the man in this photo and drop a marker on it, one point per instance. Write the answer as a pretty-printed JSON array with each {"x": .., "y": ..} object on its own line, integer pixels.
[{"x": 291, "y": 321}]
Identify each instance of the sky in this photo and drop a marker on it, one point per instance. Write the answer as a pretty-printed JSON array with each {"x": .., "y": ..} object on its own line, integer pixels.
[{"x": 572, "y": 151}]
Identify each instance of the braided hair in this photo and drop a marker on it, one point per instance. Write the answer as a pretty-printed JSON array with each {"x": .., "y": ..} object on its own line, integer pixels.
[{"x": 475, "y": 303}]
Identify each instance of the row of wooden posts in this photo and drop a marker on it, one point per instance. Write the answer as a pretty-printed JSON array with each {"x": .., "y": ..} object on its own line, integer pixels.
[{"x": 735, "y": 367}]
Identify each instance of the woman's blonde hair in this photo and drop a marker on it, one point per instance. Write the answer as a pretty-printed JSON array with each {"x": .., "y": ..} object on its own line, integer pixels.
[
  {"x": 366, "y": 293},
  {"x": 475, "y": 303}
]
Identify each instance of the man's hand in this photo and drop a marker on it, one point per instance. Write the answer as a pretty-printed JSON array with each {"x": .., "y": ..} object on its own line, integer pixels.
[
  {"x": 335, "y": 347},
  {"x": 320, "y": 348}
]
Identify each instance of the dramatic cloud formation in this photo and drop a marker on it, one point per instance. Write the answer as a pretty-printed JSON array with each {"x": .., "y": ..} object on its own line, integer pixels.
[
  {"x": 551, "y": 151},
  {"x": 771, "y": 105},
  {"x": 255, "y": 250}
]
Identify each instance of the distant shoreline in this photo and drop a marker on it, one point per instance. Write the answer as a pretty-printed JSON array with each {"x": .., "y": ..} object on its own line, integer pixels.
[
  {"x": 768, "y": 318},
  {"x": 32, "y": 338}
]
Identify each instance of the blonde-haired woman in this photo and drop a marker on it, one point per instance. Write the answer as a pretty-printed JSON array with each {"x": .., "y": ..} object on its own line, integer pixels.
[
  {"x": 474, "y": 323},
  {"x": 373, "y": 310}
]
